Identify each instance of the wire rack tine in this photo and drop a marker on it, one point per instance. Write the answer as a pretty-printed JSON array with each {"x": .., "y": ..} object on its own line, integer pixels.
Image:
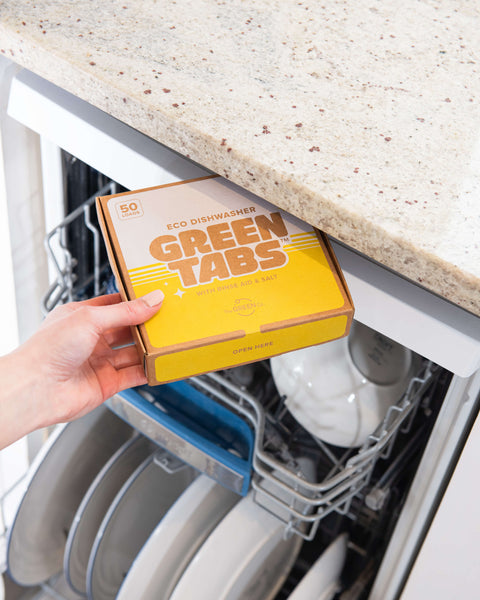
[{"x": 63, "y": 289}]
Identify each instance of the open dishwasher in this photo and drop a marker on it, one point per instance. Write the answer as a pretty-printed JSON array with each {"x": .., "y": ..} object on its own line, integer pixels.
[{"x": 378, "y": 498}]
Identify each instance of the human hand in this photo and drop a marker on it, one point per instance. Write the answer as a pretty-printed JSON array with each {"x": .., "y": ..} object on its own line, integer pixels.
[{"x": 78, "y": 358}]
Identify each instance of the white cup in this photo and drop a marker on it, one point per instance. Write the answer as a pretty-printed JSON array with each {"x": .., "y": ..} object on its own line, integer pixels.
[{"x": 340, "y": 391}]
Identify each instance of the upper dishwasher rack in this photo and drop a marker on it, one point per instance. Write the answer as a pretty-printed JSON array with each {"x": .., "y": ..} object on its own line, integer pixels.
[
  {"x": 280, "y": 485},
  {"x": 277, "y": 478}
]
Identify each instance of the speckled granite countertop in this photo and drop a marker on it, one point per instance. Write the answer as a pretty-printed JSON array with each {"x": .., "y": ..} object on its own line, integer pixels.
[{"x": 360, "y": 116}]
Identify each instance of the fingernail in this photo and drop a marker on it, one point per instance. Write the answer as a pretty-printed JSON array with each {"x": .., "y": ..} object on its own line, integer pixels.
[{"x": 153, "y": 298}]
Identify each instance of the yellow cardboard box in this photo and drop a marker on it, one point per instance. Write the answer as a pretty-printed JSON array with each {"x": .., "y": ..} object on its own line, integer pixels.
[{"x": 243, "y": 280}]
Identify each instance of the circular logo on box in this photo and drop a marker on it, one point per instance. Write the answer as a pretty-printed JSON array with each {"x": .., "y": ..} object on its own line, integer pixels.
[
  {"x": 245, "y": 306},
  {"x": 129, "y": 208}
]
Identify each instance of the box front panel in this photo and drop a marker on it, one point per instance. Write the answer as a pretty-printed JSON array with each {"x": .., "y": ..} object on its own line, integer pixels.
[{"x": 250, "y": 348}]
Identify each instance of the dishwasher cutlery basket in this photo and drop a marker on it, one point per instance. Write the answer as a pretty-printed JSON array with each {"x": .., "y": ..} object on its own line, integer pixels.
[{"x": 194, "y": 427}]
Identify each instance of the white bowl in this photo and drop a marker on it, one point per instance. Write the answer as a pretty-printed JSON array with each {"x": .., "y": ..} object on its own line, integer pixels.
[{"x": 340, "y": 391}]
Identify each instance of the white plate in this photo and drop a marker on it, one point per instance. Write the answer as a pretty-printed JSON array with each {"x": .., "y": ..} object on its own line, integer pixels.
[
  {"x": 245, "y": 557},
  {"x": 180, "y": 533},
  {"x": 341, "y": 391},
  {"x": 136, "y": 510},
  {"x": 56, "y": 483},
  {"x": 322, "y": 580},
  {"x": 94, "y": 506}
]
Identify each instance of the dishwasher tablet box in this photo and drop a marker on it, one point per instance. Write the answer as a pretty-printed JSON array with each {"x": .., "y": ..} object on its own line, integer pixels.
[{"x": 243, "y": 280}]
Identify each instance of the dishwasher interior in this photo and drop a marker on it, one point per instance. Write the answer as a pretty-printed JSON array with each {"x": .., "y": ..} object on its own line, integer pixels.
[{"x": 358, "y": 491}]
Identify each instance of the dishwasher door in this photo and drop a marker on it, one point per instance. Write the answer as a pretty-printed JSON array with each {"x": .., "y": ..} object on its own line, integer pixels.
[
  {"x": 399, "y": 309},
  {"x": 451, "y": 544}
]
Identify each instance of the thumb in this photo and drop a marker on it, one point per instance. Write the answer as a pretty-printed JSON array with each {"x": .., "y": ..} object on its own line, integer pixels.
[{"x": 131, "y": 312}]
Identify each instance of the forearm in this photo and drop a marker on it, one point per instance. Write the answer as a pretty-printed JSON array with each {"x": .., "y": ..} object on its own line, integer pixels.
[{"x": 19, "y": 412}]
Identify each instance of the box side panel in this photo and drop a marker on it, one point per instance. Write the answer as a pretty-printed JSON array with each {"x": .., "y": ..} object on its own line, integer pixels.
[
  {"x": 336, "y": 268},
  {"x": 112, "y": 258}
]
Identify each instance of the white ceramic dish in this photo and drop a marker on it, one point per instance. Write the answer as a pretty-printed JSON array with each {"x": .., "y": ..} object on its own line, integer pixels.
[
  {"x": 245, "y": 557},
  {"x": 94, "y": 506},
  {"x": 322, "y": 580},
  {"x": 180, "y": 533},
  {"x": 341, "y": 391},
  {"x": 134, "y": 513},
  {"x": 56, "y": 483}
]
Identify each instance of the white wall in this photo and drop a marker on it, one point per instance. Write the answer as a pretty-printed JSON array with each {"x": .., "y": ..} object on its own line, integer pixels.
[{"x": 23, "y": 273}]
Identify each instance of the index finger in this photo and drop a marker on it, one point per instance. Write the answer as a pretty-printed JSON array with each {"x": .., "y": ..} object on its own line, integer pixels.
[{"x": 104, "y": 300}]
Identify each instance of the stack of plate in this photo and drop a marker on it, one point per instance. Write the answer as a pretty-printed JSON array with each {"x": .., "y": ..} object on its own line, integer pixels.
[
  {"x": 94, "y": 506},
  {"x": 246, "y": 556},
  {"x": 175, "y": 540},
  {"x": 56, "y": 483},
  {"x": 135, "y": 511}
]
